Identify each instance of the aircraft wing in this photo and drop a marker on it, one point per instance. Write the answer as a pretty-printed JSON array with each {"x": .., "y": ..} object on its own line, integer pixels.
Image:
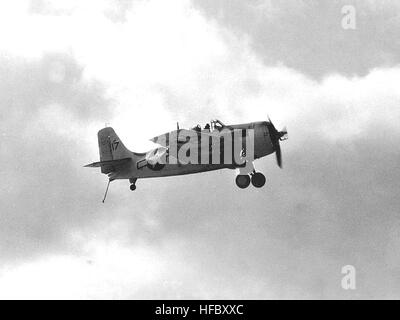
[{"x": 161, "y": 139}]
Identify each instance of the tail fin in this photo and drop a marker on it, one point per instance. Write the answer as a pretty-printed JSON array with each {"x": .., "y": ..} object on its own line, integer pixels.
[
  {"x": 110, "y": 146},
  {"x": 111, "y": 149}
]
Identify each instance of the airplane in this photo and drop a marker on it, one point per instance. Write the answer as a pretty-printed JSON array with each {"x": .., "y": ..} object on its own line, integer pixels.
[{"x": 177, "y": 153}]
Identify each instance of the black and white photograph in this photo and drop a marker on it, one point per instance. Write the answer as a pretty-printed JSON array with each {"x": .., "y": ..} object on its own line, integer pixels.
[{"x": 199, "y": 150}]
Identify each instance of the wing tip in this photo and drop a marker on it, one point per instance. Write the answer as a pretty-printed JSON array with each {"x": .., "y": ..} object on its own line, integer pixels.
[{"x": 90, "y": 165}]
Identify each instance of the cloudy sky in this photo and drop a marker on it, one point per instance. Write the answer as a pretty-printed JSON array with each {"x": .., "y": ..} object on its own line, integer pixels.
[{"x": 69, "y": 67}]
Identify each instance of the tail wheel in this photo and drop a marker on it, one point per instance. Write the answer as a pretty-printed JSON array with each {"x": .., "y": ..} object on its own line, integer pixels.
[
  {"x": 258, "y": 180},
  {"x": 243, "y": 181},
  {"x": 133, "y": 184}
]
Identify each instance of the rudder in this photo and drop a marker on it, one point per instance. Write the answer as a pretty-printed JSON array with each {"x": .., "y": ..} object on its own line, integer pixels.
[{"x": 111, "y": 147}]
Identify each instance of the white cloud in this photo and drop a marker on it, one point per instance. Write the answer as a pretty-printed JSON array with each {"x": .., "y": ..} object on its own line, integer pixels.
[
  {"x": 103, "y": 271},
  {"x": 114, "y": 270},
  {"x": 171, "y": 45}
]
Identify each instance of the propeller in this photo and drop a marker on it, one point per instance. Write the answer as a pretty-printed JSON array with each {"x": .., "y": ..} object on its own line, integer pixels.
[{"x": 276, "y": 136}]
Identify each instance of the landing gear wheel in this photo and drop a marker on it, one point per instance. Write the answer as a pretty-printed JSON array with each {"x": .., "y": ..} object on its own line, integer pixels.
[
  {"x": 133, "y": 183},
  {"x": 258, "y": 180},
  {"x": 242, "y": 181}
]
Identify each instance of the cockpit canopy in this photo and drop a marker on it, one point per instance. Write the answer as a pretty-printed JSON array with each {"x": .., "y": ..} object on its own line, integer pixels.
[{"x": 214, "y": 125}]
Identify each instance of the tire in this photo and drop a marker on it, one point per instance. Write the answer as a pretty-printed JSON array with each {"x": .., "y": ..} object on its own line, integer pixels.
[
  {"x": 242, "y": 181},
  {"x": 258, "y": 180}
]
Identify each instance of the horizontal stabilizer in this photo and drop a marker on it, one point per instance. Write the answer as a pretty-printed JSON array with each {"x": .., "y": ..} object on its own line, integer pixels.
[{"x": 108, "y": 163}]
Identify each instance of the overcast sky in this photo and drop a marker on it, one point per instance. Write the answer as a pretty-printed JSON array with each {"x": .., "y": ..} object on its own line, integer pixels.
[{"x": 69, "y": 67}]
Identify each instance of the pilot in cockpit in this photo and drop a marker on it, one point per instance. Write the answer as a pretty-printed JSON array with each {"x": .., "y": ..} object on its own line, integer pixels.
[{"x": 197, "y": 128}]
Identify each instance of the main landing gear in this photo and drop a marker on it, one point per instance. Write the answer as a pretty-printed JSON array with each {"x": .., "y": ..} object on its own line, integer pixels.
[
  {"x": 257, "y": 179},
  {"x": 243, "y": 181}
]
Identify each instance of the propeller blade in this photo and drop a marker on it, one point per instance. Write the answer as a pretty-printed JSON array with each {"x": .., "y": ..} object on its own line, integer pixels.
[
  {"x": 277, "y": 136},
  {"x": 272, "y": 126},
  {"x": 278, "y": 154}
]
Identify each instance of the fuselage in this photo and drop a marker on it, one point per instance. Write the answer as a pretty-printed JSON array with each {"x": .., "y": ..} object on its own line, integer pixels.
[{"x": 140, "y": 165}]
